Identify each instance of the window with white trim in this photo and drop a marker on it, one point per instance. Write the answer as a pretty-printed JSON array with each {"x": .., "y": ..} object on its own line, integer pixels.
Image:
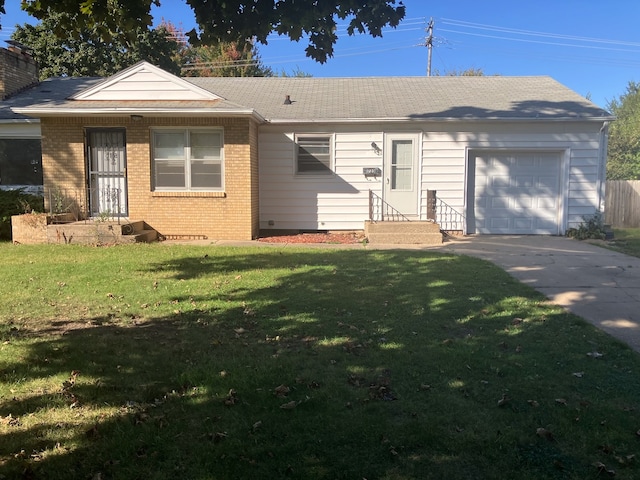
[
  {"x": 188, "y": 159},
  {"x": 314, "y": 154}
]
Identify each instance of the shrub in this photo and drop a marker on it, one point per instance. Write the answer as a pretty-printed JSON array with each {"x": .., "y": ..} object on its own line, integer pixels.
[
  {"x": 15, "y": 202},
  {"x": 591, "y": 227}
]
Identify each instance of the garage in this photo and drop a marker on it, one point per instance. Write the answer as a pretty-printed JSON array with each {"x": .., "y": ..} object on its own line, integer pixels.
[{"x": 515, "y": 193}]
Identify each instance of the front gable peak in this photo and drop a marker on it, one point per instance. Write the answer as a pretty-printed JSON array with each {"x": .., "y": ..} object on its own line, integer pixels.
[{"x": 144, "y": 81}]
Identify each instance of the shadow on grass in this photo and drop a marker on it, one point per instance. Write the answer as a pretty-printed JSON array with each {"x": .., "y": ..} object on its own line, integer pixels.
[{"x": 392, "y": 363}]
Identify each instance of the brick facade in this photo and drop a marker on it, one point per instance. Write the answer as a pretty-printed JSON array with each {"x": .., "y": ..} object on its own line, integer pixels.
[
  {"x": 18, "y": 71},
  {"x": 228, "y": 215}
]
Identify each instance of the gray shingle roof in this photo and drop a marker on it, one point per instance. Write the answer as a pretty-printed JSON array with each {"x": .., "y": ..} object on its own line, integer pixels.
[
  {"x": 53, "y": 91},
  {"x": 404, "y": 97},
  {"x": 348, "y": 99}
]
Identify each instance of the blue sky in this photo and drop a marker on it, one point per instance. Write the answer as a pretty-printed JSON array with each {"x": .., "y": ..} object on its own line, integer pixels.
[{"x": 590, "y": 46}]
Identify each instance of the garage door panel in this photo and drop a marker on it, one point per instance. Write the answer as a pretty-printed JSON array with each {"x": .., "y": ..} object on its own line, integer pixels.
[
  {"x": 524, "y": 181},
  {"x": 517, "y": 193}
]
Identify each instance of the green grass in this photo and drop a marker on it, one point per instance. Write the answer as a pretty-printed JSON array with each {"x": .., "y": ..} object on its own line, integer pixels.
[
  {"x": 165, "y": 362},
  {"x": 626, "y": 240}
]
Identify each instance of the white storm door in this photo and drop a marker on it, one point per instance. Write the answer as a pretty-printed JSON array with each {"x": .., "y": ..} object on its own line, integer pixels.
[
  {"x": 401, "y": 161},
  {"x": 107, "y": 162}
]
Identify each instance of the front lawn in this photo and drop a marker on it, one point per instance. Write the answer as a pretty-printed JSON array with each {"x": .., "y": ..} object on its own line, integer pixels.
[
  {"x": 626, "y": 240},
  {"x": 185, "y": 362}
]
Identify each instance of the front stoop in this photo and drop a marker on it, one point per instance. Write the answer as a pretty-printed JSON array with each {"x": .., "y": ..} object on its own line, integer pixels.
[
  {"x": 398, "y": 233},
  {"x": 100, "y": 233}
]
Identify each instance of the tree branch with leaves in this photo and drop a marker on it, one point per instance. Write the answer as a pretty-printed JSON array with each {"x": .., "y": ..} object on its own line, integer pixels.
[{"x": 221, "y": 21}]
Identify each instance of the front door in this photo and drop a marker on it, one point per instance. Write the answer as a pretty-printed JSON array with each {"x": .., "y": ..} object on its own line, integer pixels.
[
  {"x": 107, "y": 162},
  {"x": 401, "y": 162}
]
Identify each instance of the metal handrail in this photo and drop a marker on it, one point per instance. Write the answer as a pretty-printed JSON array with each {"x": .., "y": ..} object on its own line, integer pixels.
[
  {"x": 448, "y": 217},
  {"x": 381, "y": 211}
]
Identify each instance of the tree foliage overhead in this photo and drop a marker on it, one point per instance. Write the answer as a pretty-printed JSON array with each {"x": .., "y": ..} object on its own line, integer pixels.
[
  {"x": 623, "y": 162},
  {"x": 86, "y": 55},
  {"x": 221, "y": 21},
  {"x": 165, "y": 46},
  {"x": 219, "y": 60}
]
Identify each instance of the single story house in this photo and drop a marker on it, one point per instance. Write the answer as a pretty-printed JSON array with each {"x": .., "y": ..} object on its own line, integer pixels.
[{"x": 227, "y": 158}]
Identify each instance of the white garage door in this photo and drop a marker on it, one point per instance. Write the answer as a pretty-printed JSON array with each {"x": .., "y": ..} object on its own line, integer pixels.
[{"x": 516, "y": 193}]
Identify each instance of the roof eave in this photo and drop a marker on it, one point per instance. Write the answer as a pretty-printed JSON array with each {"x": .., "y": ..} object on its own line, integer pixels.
[
  {"x": 19, "y": 120},
  {"x": 156, "y": 112},
  {"x": 280, "y": 121}
]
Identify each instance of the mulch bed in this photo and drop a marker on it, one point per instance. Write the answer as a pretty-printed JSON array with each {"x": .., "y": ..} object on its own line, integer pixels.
[{"x": 335, "y": 238}]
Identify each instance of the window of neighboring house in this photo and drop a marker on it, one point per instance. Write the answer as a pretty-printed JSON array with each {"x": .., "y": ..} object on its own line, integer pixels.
[
  {"x": 188, "y": 159},
  {"x": 20, "y": 161},
  {"x": 314, "y": 154}
]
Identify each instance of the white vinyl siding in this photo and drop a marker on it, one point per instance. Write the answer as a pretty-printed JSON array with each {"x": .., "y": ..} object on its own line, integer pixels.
[
  {"x": 188, "y": 159},
  {"x": 340, "y": 201},
  {"x": 446, "y": 148},
  {"x": 316, "y": 202}
]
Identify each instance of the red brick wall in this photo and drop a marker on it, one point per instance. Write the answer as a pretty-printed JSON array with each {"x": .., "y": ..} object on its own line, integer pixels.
[{"x": 229, "y": 215}]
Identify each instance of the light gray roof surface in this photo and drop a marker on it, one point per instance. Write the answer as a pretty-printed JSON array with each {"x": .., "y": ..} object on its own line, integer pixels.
[
  {"x": 484, "y": 97},
  {"x": 346, "y": 99},
  {"x": 53, "y": 91}
]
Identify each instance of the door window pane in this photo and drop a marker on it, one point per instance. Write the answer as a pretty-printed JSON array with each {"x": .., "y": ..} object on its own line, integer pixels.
[{"x": 401, "y": 165}]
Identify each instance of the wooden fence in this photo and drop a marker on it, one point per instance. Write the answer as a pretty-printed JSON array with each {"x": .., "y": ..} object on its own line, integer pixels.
[{"x": 622, "y": 203}]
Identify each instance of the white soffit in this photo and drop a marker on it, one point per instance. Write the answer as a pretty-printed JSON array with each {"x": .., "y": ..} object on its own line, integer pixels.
[{"x": 144, "y": 81}]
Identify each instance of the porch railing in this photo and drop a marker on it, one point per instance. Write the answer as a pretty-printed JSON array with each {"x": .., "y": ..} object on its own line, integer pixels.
[
  {"x": 83, "y": 204},
  {"x": 381, "y": 211},
  {"x": 449, "y": 219}
]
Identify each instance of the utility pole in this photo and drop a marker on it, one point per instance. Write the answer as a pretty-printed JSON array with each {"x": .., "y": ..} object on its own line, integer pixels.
[{"x": 429, "y": 45}]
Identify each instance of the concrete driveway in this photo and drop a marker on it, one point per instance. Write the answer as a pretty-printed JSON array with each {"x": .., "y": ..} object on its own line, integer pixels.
[{"x": 597, "y": 284}]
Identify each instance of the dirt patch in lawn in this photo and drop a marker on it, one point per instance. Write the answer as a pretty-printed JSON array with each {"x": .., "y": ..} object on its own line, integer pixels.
[{"x": 316, "y": 237}]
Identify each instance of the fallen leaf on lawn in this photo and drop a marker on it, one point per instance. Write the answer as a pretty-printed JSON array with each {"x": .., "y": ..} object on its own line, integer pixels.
[
  {"x": 544, "y": 433},
  {"x": 257, "y": 425},
  {"x": 289, "y": 405},
  {"x": 231, "y": 398},
  {"x": 516, "y": 321},
  {"x": 533, "y": 403},
  {"x": 578, "y": 374},
  {"x": 217, "y": 437},
  {"x": 239, "y": 331},
  {"x": 561, "y": 401},
  {"x": 603, "y": 468},
  {"x": 595, "y": 354},
  {"x": 504, "y": 400},
  {"x": 626, "y": 460},
  {"x": 282, "y": 391}
]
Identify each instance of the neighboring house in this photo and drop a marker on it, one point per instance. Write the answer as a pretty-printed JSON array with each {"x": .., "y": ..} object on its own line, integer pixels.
[
  {"x": 20, "y": 158},
  {"x": 224, "y": 158}
]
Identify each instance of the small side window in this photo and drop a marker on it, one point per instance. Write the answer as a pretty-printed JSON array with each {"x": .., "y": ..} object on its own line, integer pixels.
[{"x": 313, "y": 154}]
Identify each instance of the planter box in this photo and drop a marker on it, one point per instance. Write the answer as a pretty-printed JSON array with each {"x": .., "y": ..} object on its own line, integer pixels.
[{"x": 30, "y": 228}]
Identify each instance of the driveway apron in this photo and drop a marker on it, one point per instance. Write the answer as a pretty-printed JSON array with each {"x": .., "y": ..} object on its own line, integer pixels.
[{"x": 600, "y": 285}]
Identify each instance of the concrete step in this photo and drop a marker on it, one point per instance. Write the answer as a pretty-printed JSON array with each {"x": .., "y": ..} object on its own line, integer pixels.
[
  {"x": 131, "y": 228},
  {"x": 397, "y": 233},
  {"x": 403, "y": 227},
  {"x": 146, "y": 236},
  {"x": 405, "y": 238}
]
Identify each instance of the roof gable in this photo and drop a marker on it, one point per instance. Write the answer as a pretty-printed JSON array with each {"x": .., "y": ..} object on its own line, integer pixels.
[{"x": 144, "y": 81}]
